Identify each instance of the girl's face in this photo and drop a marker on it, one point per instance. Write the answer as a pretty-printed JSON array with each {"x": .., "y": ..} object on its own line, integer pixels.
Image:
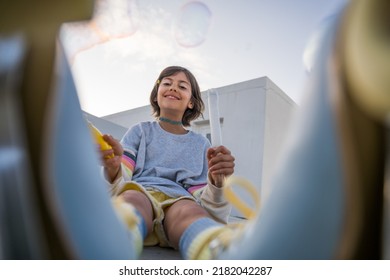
[{"x": 174, "y": 95}]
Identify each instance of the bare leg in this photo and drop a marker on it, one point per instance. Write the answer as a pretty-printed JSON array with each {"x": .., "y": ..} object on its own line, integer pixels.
[
  {"x": 179, "y": 216},
  {"x": 141, "y": 202}
]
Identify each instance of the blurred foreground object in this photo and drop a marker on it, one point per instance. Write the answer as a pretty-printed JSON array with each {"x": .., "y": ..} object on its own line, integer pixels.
[
  {"x": 54, "y": 204},
  {"x": 329, "y": 197}
]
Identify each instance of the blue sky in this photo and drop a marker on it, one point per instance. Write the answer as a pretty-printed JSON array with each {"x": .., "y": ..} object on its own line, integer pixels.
[{"x": 237, "y": 41}]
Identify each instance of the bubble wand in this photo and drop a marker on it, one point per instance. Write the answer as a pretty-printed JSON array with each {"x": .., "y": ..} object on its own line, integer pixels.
[{"x": 215, "y": 125}]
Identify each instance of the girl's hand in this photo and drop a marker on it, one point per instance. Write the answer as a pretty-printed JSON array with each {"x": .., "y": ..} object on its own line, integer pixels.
[
  {"x": 111, "y": 163},
  {"x": 221, "y": 164}
]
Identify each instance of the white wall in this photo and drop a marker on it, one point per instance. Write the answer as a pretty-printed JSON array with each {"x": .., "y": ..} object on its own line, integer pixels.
[
  {"x": 131, "y": 117},
  {"x": 256, "y": 117},
  {"x": 280, "y": 109},
  {"x": 242, "y": 108}
]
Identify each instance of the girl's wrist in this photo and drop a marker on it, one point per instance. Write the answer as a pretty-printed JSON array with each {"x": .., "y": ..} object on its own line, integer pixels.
[{"x": 111, "y": 174}]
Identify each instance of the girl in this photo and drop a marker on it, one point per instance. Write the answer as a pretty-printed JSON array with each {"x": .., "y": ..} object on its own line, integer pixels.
[{"x": 163, "y": 177}]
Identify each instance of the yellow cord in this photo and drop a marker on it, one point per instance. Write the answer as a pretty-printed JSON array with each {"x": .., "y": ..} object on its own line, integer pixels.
[{"x": 238, "y": 203}]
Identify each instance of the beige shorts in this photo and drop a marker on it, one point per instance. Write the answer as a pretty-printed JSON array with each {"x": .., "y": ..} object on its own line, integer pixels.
[{"x": 159, "y": 201}]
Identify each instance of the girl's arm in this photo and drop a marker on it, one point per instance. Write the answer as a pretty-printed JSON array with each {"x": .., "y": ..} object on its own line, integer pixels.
[
  {"x": 212, "y": 199},
  {"x": 111, "y": 164},
  {"x": 220, "y": 164},
  {"x": 118, "y": 168}
]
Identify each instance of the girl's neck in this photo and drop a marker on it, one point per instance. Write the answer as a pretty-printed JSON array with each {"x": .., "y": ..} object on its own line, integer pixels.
[
  {"x": 170, "y": 121},
  {"x": 172, "y": 125}
]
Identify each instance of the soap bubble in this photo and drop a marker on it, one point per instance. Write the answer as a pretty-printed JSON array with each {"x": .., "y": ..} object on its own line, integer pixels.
[
  {"x": 77, "y": 37},
  {"x": 117, "y": 18},
  {"x": 192, "y": 24},
  {"x": 111, "y": 19}
]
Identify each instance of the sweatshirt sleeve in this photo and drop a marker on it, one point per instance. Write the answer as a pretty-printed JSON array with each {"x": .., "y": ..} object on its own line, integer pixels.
[
  {"x": 125, "y": 173},
  {"x": 130, "y": 143},
  {"x": 214, "y": 202}
]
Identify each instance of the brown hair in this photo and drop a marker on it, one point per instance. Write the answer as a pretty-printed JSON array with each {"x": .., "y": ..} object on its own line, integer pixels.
[{"x": 196, "y": 99}]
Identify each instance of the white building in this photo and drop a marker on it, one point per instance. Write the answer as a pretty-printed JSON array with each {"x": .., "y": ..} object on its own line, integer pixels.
[{"x": 255, "y": 117}]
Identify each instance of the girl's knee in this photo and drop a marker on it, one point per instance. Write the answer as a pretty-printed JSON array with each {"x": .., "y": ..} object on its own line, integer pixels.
[
  {"x": 134, "y": 196},
  {"x": 179, "y": 216},
  {"x": 183, "y": 210},
  {"x": 142, "y": 203}
]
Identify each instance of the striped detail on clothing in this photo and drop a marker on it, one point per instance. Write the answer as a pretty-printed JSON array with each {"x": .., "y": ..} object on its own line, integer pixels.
[
  {"x": 196, "y": 190},
  {"x": 128, "y": 161}
]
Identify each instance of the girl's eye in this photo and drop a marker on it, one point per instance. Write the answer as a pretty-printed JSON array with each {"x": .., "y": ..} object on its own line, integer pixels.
[
  {"x": 183, "y": 87},
  {"x": 166, "y": 84}
]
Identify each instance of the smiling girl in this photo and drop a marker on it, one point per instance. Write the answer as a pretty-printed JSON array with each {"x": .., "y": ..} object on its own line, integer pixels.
[{"x": 163, "y": 176}]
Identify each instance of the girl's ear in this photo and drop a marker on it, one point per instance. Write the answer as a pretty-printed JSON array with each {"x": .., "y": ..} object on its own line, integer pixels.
[{"x": 190, "y": 105}]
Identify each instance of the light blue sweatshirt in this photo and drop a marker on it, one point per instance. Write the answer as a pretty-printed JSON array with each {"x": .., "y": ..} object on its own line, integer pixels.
[{"x": 170, "y": 163}]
